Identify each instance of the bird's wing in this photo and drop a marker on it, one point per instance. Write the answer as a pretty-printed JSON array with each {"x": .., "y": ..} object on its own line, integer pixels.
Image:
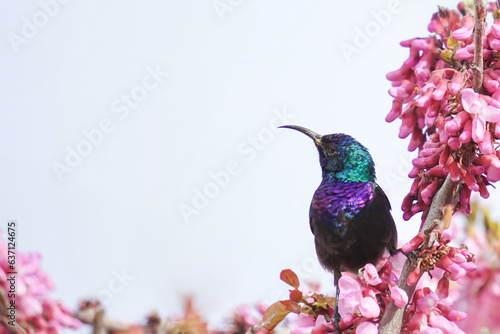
[{"x": 382, "y": 209}]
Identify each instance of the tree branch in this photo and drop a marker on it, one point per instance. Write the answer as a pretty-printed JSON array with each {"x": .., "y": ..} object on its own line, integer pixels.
[
  {"x": 95, "y": 317},
  {"x": 447, "y": 197},
  {"x": 4, "y": 315},
  {"x": 479, "y": 22},
  {"x": 101, "y": 324},
  {"x": 445, "y": 201}
]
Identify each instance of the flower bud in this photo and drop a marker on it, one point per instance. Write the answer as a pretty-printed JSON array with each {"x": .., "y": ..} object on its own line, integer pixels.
[
  {"x": 486, "y": 145},
  {"x": 495, "y": 29},
  {"x": 437, "y": 171},
  {"x": 454, "y": 143},
  {"x": 395, "y": 110},
  {"x": 463, "y": 54},
  {"x": 440, "y": 90},
  {"x": 483, "y": 191},
  {"x": 466, "y": 135},
  {"x": 457, "y": 122},
  {"x": 443, "y": 287},
  {"x": 456, "y": 82},
  {"x": 414, "y": 243},
  {"x": 413, "y": 276},
  {"x": 465, "y": 31}
]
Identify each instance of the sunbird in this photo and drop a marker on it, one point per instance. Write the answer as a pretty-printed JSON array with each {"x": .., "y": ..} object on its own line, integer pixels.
[{"x": 350, "y": 215}]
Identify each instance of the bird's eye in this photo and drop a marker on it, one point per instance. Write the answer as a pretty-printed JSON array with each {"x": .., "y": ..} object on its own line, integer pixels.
[{"x": 330, "y": 150}]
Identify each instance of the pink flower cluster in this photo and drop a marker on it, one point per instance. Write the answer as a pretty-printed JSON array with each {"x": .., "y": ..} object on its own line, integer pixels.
[
  {"x": 243, "y": 317},
  {"x": 36, "y": 312},
  {"x": 455, "y": 262},
  {"x": 432, "y": 314},
  {"x": 363, "y": 298},
  {"x": 306, "y": 324},
  {"x": 453, "y": 128},
  {"x": 430, "y": 310},
  {"x": 479, "y": 291}
]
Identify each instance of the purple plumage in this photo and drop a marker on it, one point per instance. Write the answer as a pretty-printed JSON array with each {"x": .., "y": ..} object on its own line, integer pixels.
[{"x": 332, "y": 197}]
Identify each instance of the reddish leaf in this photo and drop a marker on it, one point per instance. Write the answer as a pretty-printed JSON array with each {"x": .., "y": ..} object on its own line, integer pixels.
[
  {"x": 290, "y": 278},
  {"x": 274, "y": 315},
  {"x": 318, "y": 296},
  {"x": 330, "y": 301},
  {"x": 296, "y": 295},
  {"x": 291, "y": 306}
]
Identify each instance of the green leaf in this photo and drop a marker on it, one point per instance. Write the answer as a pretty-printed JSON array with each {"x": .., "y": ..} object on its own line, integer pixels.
[
  {"x": 290, "y": 278},
  {"x": 274, "y": 315}
]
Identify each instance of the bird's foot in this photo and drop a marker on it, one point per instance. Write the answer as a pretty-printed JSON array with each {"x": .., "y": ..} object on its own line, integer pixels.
[
  {"x": 400, "y": 250},
  {"x": 336, "y": 320},
  {"x": 410, "y": 254}
]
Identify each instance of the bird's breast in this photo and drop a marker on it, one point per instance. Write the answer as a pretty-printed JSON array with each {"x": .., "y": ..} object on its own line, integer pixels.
[{"x": 341, "y": 199}]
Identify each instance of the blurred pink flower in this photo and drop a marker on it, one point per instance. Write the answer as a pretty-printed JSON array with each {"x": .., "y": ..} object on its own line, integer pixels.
[{"x": 35, "y": 308}]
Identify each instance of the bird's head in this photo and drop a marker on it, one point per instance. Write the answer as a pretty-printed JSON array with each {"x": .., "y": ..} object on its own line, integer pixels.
[{"x": 341, "y": 156}]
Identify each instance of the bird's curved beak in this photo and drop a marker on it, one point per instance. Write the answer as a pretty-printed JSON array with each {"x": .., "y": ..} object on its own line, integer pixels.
[{"x": 311, "y": 134}]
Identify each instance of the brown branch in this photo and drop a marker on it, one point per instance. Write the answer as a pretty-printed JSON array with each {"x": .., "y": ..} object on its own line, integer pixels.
[
  {"x": 479, "y": 23},
  {"x": 445, "y": 201},
  {"x": 98, "y": 322},
  {"x": 95, "y": 317},
  {"x": 102, "y": 324},
  {"x": 5, "y": 319}
]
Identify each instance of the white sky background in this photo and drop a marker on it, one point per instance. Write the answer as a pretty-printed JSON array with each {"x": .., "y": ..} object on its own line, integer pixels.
[{"x": 119, "y": 209}]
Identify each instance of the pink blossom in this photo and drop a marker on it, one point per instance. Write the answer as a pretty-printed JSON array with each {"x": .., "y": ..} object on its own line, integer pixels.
[
  {"x": 308, "y": 325},
  {"x": 440, "y": 322},
  {"x": 495, "y": 29},
  {"x": 413, "y": 243},
  {"x": 493, "y": 174},
  {"x": 443, "y": 287},
  {"x": 446, "y": 235},
  {"x": 247, "y": 316},
  {"x": 464, "y": 54},
  {"x": 350, "y": 290},
  {"x": 370, "y": 275},
  {"x": 466, "y": 31},
  {"x": 435, "y": 103},
  {"x": 480, "y": 111},
  {"x": 456, "y": 82},
  {"x": 427, "y": 302},
  {"x": 35, "y": 308},
  {"x": 367, "y": 328},
  {"x": 399, "y": 296},
  {"x": 369, "y": 307},
  {"x": 431, "y": 330}
]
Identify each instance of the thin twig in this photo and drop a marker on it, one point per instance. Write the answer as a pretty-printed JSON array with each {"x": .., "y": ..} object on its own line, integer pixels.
[
  {"x": 98, "y": 322},
  {"x": 94, "y": 317},
  {"x": 479, "y": 22},
  {"x": 4, "y": 319}
]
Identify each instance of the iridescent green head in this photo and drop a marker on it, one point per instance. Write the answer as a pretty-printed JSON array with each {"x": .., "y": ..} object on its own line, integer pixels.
[{"x": 341, "y": 156}]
